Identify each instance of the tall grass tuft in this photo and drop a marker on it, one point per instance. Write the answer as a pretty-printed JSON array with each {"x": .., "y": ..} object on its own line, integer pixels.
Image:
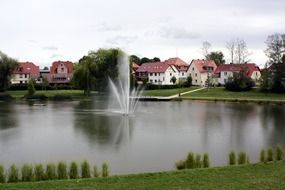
[
  {"x": 206, "y": 161},
  {"x": 198, "y": 162},
  {"x": 241, "y": 158},
  {"x": 2, "y": 174},
  {"x": 232, "y": 158},
  {"x": 105, "y": 170},
  {"x": 190, "y": 161},
  {"x": 27, "y": 172},
  {"x": 50, "y": 172},
  {"x": 39, "y": 172},
  {"x": 96, "y": 172},
  {"x": 62, "y": 170},
  {"x": 180, "y": 164},
  {"x": 279, "y": 152},
  {"x": 85, "y": 170},
  {"x": 13, "y": 175},
  {"x": 73, "y": 171},
  {"x": 270, "y": 154},
  {"x": 263, "y": 156}
]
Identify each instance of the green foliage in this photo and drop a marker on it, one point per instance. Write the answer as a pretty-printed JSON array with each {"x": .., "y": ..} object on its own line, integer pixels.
[
  {"x": 73, "y": 171},
  {"x": 188, "y": 82},
  {"x": 39, "y": 172},
  {"x": 263, "y": 156},
  {"x": 156, "y": 59},
  {"x": 239, "y": 82},
  {"x": 270, "y": 154},
  {"x": 198, "y": 162},
  {"x": 266, "y": 80},
  {"x": 13, "y": 174},
  {"x": 96, "y": 172},
  {"x": 27, "y": 172},
  {"x": 7, "y": 66},
  {"x": 190, "y": 161},
  {"x": 145, "y": 60},
  {"x": 85, "y": 170},
  {"x": 232, "y": 158},
  {"x": 206, "y": 161},
  {"x": 135, "y": 59},
  {"x": 180, "y": 164},
  {"x": 279, "y": 152},
  {"x": 173, "y": 79},
  {"x": 217, "y": 57},
  {"x": 51, "y": 172},
  {"x": 105, "y": 170},
  {"x": 31, "y": 88},
  {"x": 247, "y": 160},
  {"x": 242, "y": 158},
  {"x": 62, "y": 170},
  {"x": 2, "y": 174},
  {"x": 278, "y": 83}
]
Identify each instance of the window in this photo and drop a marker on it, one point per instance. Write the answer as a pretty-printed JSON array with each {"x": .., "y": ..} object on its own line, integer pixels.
[
  {"x": 21, "y": 82},
  {"x": 226, "y": 73},
  {"x": 62, "y": 69},
  {"x": 26, "y": 76},
  {"x": 193, "y": 69},
  {"x": 182, "y": 73},
  {"x": 155, "y": 80},
  {"x": 150, "y": 74},
  {"x": 170, "y": 74},
  {"x": 196, "y": 81},
  {"x": 195, "y": 74},
  {"x": 163, "y": 78},
  {"x": 21, "y": 76},
  {"x": 150, "y": 80}
]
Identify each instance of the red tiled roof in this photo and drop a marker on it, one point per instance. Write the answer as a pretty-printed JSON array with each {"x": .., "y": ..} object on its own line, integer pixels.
[
  {"x": 155, "y": 67},
  {"x": 201, "y": 64},
  {"x": 27, "y": 68},
  {"x": 135, "y": 66},
  {"x": 249, "y": 68},
  {"x": 178, "y": 63},
  {"x": 68, "y": 65}
]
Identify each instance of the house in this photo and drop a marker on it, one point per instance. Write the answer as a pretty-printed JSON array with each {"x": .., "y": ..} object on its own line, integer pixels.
[
  {"x": 61, "y": 72},
  {"x": 200, "y": 70},
  {"x": 181, "y": 66},
  {"x": 25, "y": 72},
  {"x": 225, "y": 71},
  {"x": 157, "y": 73}
]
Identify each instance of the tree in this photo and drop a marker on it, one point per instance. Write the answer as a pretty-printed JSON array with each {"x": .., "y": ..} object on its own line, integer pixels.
[
  {"x": 239, "y": 82},
  {"x": 217, "y": 57},
  {"x": 206, "y": 48},
  {"x": 31, "y": 88},
  {"x": 156, "y": 59},
  {"x": 188, "y": 82},
  {"x": 230, "y": 45},
  {"x": 266, "y": 80},
  {"x": 275, "y": 48},
  {"x": 135, "y": 59},
  {"x": 7, "y": 66},
  {"x": 238, "y": 51},
  {"x": 173, "y": 80},
  {"x": 145, "y": 60}
]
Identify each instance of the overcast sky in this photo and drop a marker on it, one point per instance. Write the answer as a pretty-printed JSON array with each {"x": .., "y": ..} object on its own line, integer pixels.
[{"x": 43, "y": 31}]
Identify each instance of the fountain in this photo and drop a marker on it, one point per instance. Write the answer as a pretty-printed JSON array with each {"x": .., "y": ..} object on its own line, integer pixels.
[{"x": 125, "y": 97}]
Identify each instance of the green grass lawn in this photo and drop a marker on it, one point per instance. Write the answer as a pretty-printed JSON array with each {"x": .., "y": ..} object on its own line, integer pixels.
[
  {"x": 166, "y": 92},
  {"x": 256, "y": 176},
  {"x": 48, "y": 93},
  {"x": 221, "y": 93}
]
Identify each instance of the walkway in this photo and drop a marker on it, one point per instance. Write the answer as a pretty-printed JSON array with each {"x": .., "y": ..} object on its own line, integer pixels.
[{"x": 188, "y": 92}]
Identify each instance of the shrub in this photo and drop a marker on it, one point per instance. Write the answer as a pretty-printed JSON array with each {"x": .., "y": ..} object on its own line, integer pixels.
[
  {"x": 247, "y": 160},
  {"x": 73, "y": 171},
  {"x": 31, "y": 88},
  {"x": 13, "y": 175},
  {"x": 85, "y": 170},
  {"x": 279, "y": 152},
  {"x": 39, "y": 172},
  {"x": 50, "y": 172},
  {"x": 2, "y": 174},
  {"x": 27, "y": 172},
  {"x": 263, "y": 156},
  {"x": 96, "y": 171},
  {"x": 198, "y": 161},
  {"x": 62, "y": 170},
  {"x": 190, "y": 161},
  {"x": 206, "y": 161},
  {"x": 232, "y": 158},
  {"x": 180, "y": 164},
  {"x": 240, "y": 82},
  {"x": 105, "y": 170},
  {"x": 270, "y": 154},
  {"x": 242, "y": 158}
]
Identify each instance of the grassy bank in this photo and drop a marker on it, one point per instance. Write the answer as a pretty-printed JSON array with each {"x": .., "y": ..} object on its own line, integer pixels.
[
  {"x": 166, "y": 92},
  {"x": 222, "y": 94},
  {"x": 75, "y": 94},
  {"x": 256, "y": 176}
]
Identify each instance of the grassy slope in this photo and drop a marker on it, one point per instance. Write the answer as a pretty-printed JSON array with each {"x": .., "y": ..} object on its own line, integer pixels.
[
  {"x": 166, "y": 92},
  {"x": 48, "y": 93},
  {"x": 221, "y": 93},
  {"x": 259, "y": 176}
]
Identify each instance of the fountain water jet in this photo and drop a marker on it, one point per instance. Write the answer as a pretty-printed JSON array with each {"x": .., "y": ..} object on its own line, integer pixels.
[{"x": 126, "y": 97}]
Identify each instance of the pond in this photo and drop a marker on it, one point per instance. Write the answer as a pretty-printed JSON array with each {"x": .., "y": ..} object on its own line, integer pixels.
[{"x": 152, "y": 139}]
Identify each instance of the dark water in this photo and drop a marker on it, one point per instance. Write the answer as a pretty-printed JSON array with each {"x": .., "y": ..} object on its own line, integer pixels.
[{"x": 152, "y": 139}]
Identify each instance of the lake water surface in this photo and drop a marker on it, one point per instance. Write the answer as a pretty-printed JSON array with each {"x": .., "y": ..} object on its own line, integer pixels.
[{"x": 152, "y": 139}]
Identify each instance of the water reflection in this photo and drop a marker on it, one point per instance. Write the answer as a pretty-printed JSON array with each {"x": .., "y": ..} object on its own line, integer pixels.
[{"x": 8, "y": 116}]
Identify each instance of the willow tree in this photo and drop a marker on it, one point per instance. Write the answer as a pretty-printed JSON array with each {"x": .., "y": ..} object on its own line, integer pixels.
[{"x": 7, "y": 65}]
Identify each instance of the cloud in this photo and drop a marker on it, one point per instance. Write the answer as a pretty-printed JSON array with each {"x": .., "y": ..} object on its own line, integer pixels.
[
  {"x": 32, "y": 41},
  {"x": 108, "y": 28},
  {"x": 55, "y": 55},
  {"x": 50, "y": 48},
  {"x": 121, "y": 40},
  {"x": 177, "y": 33}
]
